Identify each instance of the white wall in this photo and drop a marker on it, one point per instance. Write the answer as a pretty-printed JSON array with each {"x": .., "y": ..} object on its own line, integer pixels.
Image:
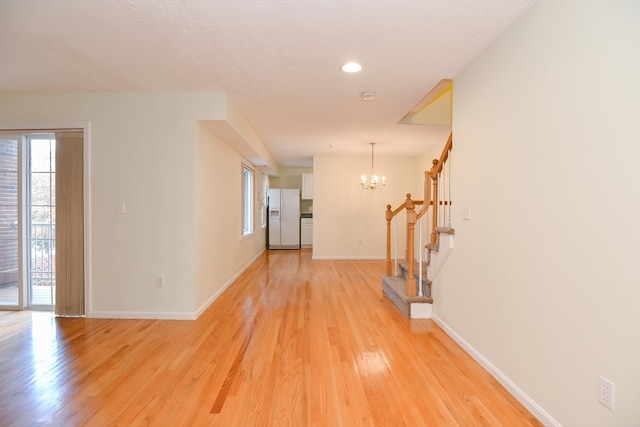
[
  {"x": 221, "y": 251},
  {"x": 289, "y": 178},
  {"x": 143, "y": 153},
  {"x": 349, "y": 222},
  {"x": 545, "y": 281}
]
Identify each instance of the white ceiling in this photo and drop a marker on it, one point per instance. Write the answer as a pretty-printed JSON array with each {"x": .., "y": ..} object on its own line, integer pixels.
[{"x": 278, "y": 59}]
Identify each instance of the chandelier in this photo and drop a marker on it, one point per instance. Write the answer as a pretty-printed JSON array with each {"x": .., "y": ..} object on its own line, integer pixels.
[{"x": 373, "y": 182}]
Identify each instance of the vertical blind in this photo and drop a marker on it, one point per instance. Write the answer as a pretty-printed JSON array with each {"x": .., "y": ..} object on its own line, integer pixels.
[{"x": 69, "y": 224}]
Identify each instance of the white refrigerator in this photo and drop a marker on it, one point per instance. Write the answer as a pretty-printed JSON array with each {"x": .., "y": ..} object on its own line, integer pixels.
[{"x": 284, "y": 218}]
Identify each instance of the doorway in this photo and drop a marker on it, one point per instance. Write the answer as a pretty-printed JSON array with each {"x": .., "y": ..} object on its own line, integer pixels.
[{"x": 32, "y": 261}]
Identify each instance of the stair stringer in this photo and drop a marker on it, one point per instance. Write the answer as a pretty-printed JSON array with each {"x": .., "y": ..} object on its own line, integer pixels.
[{"x": 438, "y": 254}]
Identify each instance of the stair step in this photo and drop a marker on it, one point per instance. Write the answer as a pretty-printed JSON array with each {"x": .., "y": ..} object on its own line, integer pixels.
[
  {"x": 404, "y": 269},
  {"x": 404, "y": 273},
  {"x": 395, "y": 289},
  {"x": 432, "y": 246},
  {"x": 445, "y": 230},
  {"x": 441, "y": 230}
]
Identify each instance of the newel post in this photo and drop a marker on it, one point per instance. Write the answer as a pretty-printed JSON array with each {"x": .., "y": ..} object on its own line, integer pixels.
[
  {"x": 411, "y": 222},
  {"x": 388, "y": 216}
]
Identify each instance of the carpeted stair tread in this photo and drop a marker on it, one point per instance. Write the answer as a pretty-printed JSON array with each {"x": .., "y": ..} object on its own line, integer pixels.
[
  {"x": 445, "y": 230},
  {"x": 432, "y": 246},
  {"x": 404, "y": 266}
]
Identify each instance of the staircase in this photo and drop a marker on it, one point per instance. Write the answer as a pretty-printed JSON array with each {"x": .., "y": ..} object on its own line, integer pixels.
[
  {"x": 407, "y": 283},
  {"x": 395, "y": 287}
]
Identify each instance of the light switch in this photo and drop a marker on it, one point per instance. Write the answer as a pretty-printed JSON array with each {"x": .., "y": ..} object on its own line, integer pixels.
[
  {"x": 122, "y": 209},
  {"x": 466, "y": 213}
]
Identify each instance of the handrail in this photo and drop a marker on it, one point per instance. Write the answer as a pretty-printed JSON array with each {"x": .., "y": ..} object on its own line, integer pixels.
[
  {"x": 431, "y": 178},
  {"x": 427, "y": 196},
  {"x": 433, "y": 174},
  {"x": 437, "y": 166},
  {"x": 396, "y": 211},
  {"x": 391, "y": 213}
]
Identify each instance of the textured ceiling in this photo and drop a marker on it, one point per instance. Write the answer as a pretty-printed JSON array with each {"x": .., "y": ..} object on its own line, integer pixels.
[{"x": 279, "y": 60}]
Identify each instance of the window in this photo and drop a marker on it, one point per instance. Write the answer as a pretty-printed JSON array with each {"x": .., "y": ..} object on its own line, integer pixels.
[
  {"x": 247, "y": 200},
  {"x": 265, "y": 200}
]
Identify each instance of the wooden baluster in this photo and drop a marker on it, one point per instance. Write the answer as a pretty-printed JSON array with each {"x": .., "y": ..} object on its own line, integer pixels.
[
  {"x": 388, "y": 216},
  {"x": 411, "y": 223}
]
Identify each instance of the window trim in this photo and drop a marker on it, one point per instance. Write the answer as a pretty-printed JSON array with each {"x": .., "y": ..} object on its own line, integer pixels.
[
  {"x": 264, "y": 200},
  {"x": 247, "y": 213}
]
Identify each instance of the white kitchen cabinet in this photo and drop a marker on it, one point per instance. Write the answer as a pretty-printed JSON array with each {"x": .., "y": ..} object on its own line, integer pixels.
[
  {"x": 306, "y": 232},
  {"x": 307, "y": 186}
]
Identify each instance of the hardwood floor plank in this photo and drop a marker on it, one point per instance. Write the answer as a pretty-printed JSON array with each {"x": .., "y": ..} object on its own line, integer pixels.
[{"x": 293, "y": 342}]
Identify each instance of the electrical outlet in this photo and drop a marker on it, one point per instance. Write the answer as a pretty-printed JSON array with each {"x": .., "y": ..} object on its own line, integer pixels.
[
  {"x": 605, "y": 392},
  {"x": 159, "y": 281}
]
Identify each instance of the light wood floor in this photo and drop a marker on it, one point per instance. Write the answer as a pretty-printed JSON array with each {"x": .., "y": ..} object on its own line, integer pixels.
[{"x": 293, "y": 342}]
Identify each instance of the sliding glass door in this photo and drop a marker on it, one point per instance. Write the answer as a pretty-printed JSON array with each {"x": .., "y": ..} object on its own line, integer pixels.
[
  {"x": 27, "y": 220},
  {"x": 37, "y": 270}
]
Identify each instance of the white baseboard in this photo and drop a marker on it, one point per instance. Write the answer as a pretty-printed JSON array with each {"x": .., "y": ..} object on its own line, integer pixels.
[
  {"x": 346, "y": 257},
  {"x": 515, "y": 391},
  {"x": 150, "y": 315}
]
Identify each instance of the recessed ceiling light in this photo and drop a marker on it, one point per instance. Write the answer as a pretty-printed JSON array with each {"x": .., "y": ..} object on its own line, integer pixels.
[{"x": 351, "y": 67}]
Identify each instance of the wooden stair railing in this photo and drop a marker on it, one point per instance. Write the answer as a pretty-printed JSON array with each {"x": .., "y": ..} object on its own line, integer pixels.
[
  {"x": 389, "y": 215},
  {"x": 431, "y": 183},
  {"x": 434, "y": 174}
]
